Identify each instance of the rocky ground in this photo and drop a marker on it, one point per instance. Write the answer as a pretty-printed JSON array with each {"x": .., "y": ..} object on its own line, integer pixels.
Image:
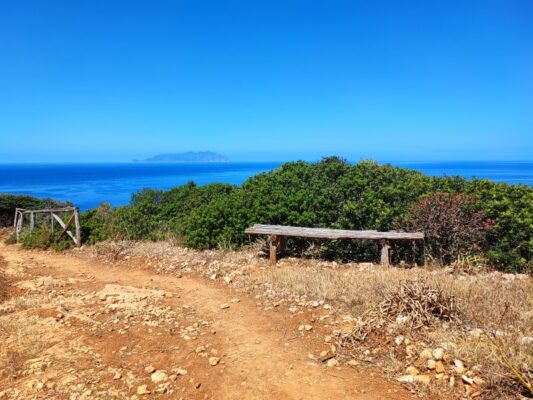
[
  {"x": 105, "y": 323},
  {"x": 444, "y": 332}
]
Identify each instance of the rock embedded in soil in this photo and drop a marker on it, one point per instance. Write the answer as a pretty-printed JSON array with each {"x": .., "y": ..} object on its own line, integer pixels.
[
  {"x": 200, "y": 349},
  {"x": 425, "y": 379},
  {"x": 459, "y": 367},
  {"x": 406, "y": 379},
  {"x": 305, "y": 328},
  {"x": 143, "y": 389},
  {"x": 214, "y": 361},
  {"x": 149, "y": 369},
  {"x": 159, "y": 376},
  {"x": 426, "y": 354},
  {"x": 438, "y": 353},
  {"x": 439, "y": 367},
  {"x": 332, "y": 362}
]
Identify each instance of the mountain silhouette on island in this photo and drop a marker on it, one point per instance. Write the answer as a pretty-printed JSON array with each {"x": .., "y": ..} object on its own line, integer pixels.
[{"x": 190, "y": 156}]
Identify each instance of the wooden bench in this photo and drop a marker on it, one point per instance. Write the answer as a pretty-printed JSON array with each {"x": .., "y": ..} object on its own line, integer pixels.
[{"x": 278, "y": 233}]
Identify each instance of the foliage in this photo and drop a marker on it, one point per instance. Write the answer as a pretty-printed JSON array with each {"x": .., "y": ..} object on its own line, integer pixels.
[
  {"x": 11, "y": 239},
  {"x": 40, "y": 238},
  {"x": 333, "y": 193},
  {"x": 9, "y": 202},
  {"x": 43, "y": 238},
  {"x": 509, "y": 208},
  {"x": 95, "y": 224},
  {"x": 453, "y": 227},
  {"x": 218, "y": 223}
]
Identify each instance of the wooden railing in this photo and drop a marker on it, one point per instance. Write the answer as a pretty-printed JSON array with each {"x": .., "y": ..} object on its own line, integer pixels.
[{"x": 21, "y": 214}]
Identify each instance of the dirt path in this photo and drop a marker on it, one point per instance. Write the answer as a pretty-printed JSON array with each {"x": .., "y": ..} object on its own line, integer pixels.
[{"x": 261, "y": 355}]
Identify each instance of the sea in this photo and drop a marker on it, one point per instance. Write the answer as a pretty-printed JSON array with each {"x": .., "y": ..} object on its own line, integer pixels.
[{"x": 87, "y": 185}]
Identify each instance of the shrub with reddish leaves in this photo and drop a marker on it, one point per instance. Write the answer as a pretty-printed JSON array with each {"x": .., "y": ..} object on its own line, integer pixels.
[{"x": 452, "y": 224}]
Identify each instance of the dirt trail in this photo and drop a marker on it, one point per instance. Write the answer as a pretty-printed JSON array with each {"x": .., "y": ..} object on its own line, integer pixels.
[{"x": 262, "y": 354}]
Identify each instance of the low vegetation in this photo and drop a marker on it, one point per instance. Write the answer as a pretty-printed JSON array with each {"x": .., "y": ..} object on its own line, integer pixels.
[
  {"x": 9, "y": 202},
  {"x": 465, "y": 314},
  {"x": 490, "y": 223}
]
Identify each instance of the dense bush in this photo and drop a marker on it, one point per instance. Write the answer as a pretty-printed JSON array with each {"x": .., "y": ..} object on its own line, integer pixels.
[
  {"x": 453, "y": 225},
  {"x": 9, "y": 202},
  {"x": 43, "y": 238},
  {"x": 497, "y": 219},
  {"x": 152, "y": 214}
]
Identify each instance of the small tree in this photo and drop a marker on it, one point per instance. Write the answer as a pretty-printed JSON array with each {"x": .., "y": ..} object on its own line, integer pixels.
[{"x": 452, "y": 224}]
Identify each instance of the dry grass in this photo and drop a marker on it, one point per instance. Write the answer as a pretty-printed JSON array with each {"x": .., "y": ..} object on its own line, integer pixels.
[
  {"x": 419, "y": 304},
  {"x": 4, "y": 283},
  {"x": 21, "y": 342},
  {"x": 500, "y": 304}
]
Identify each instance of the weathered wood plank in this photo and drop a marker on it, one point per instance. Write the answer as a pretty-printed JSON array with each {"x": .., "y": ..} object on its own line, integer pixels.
[
  {"x": 19, "y": 226},
  {"x": 332, "y": 234},
  {"x": 60, "y": 221},
  {"x": 385, "y": 254},
  {"x": 54, "y": 210},
  {"x": 274, "y": 243},
  {"x": 78, "y": 227},
  {"x": 67, "y": 225},
  {"x": 16, "y": 218},
  {"x": 32, "y": 221}
]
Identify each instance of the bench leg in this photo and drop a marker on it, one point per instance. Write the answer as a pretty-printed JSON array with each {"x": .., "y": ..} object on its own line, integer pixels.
[
  {"x": 274, "y": 245},
  {"x": 385, "y": 253},
  {"x": 281, "y": 245}
]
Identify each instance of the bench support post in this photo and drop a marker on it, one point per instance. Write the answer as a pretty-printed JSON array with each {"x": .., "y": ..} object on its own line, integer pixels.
[
  {"x": 385, "y": 253},
  {"x": 276, "y": 242}
]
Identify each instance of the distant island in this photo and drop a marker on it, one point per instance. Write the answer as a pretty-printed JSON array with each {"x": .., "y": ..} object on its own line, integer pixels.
[{"x": 190, "y": 156}]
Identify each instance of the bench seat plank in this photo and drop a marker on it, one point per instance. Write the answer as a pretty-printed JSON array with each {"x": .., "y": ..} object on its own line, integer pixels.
[{"x": 332, "y": 234}]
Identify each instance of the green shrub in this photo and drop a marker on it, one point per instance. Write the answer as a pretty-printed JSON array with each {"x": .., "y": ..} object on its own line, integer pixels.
[
  {"x": 217, "y": 224},
  {"x": 331, "y": 193},
  {"x": 40, "y": 238},
  {"x": 11, "y": 239},
  {"x": 95, "y": 225},
  {"x": 61, "y": 245},
  {"x": 9, "y": 202},
  {"x": 43, "y": 238}
]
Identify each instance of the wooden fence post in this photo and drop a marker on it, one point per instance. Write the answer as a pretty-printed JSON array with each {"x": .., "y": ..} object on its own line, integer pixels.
[
  {"x": 19, "y": 225},
  {"x": 16, "y": 217},
  {"x": 77, "y": 224},
  {"x": 32, "y": 221}
]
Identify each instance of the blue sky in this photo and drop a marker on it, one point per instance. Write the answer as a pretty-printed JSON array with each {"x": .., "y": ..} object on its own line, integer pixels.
[{"x": 273, "y": 80}]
